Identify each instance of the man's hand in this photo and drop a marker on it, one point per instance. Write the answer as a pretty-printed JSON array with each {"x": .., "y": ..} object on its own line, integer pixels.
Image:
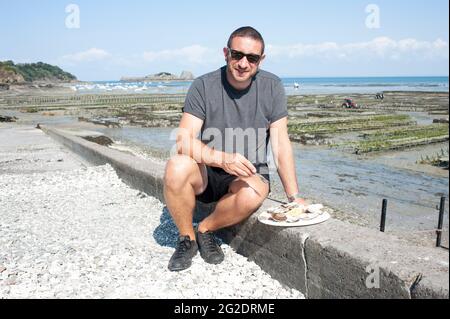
[
  {"x": 301, "y": 202},
  {"x": 238, "y": 165}
]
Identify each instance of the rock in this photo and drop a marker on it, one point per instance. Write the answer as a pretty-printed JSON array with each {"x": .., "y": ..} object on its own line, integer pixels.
[
  {"x": 161, "y": 76},
  {"x": 10, "y": 77},
  {"x": 445, "y": 121},
  {"x": 443, "y": 162},
  {"x": 4, "y": 118},
  {"x": 186, "y": 75},
  {"x": 106, "y": 122},
  {"x": 101, "y": 140}
]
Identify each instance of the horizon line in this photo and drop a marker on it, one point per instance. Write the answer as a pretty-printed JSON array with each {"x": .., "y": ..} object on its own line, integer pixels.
[
  {"x": 370, "y": 76},
  {"x": 324, "y": 77}
]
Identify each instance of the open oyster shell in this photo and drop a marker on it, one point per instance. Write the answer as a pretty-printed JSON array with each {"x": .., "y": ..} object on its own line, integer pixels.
[{"x": 294, "y": 212}]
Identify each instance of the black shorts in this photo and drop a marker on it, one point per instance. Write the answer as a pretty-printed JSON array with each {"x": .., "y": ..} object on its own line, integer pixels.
[{"x": 218, "y": 184}]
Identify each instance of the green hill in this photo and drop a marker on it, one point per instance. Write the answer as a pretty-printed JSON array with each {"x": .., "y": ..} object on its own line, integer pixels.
[{"x": 30, "y": 72}]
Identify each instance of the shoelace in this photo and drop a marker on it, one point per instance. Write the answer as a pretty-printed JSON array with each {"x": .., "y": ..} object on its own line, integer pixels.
[
  {"x": 182, "y": 247},
  {"x": 210, "y": 242}
]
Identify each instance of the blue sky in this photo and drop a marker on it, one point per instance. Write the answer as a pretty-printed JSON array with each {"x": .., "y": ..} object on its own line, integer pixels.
[{"x": 304, "y": 38}]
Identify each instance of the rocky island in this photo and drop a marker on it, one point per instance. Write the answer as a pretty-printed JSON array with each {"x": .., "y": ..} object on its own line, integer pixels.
[
  {"x": 11, "y": 73},
  {"x": 162, "y": 76},
  {"x": 40, "y": 74}
]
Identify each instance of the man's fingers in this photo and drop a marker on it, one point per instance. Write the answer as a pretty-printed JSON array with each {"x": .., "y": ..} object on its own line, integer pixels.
[
  {"x": 241, "y": 173},
  {"x": 250, "y": 166},
  {"x": 235, "y": 170},
  {"x": 240, "y": 166},
  {"x": 244, "y": 168}
]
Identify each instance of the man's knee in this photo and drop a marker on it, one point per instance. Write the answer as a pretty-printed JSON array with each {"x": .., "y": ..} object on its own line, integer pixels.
[
  {"x": 178, "y": 170},
  {"x": 250, "y": 195}
]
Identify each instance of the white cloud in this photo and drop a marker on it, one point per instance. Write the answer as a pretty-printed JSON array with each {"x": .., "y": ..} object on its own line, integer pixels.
[
  {"x": 194, "y": 54},
  {"x": 90, "y": 55},
  {"x": 381, "y": 47}
]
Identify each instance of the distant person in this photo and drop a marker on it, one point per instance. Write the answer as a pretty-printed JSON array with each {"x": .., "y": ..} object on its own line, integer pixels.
[{"x": 235, "y": 109}]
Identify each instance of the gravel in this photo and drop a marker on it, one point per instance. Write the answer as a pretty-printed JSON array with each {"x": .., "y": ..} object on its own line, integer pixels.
[{"x": 83, "y": 233}]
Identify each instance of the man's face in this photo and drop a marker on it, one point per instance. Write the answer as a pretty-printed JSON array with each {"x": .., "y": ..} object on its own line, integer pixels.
[{"x": 243, "y": 70}]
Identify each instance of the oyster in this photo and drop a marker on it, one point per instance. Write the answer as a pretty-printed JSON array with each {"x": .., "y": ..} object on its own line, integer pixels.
[
  {"x": 278, "y": 217},
  {"x": 296, "y": 214},
  {"x": 293, "y": 212}
]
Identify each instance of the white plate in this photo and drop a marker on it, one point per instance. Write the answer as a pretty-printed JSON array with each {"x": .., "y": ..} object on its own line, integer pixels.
[{"x": 264, "y": 218}]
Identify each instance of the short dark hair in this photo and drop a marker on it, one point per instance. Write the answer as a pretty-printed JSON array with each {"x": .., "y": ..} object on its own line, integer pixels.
[{"x": 247, "y": 32}]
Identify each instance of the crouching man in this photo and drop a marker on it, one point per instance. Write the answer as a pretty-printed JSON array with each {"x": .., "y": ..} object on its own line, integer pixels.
[{"x": 238, "y": 100}]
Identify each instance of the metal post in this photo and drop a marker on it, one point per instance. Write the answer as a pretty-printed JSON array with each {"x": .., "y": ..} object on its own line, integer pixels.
[
  {"x": 440, "y": 223},
  {"x": 383, "y": 216}
]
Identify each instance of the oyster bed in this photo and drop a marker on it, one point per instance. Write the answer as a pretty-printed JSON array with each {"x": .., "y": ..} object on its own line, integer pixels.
[{"x": 313, "y": 119}]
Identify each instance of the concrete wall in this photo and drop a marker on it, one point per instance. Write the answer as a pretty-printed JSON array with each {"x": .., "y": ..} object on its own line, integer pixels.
[{"x": 330, "y": 260}]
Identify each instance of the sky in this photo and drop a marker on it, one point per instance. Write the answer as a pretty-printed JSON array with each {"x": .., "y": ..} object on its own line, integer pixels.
[{"x": 105, "y": 40}]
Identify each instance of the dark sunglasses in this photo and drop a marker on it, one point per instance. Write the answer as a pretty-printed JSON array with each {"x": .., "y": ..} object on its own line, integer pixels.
[{"x": 237, "y": 55}]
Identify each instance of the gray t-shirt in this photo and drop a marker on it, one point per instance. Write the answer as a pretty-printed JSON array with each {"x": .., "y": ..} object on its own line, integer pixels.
[{"x": 237, "y": 121}]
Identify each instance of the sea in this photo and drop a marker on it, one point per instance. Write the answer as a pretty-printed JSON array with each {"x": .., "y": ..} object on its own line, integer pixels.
[{"x": 293, "y": 85}]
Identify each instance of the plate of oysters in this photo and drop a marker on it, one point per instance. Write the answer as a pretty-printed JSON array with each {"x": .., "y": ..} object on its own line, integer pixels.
[{"x": 294, "y": 215}]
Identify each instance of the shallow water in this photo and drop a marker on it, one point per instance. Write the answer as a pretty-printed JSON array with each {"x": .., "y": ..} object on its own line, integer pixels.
[
  {"x": 421, "y": 118},
  {"x": 358, "y": 186}
]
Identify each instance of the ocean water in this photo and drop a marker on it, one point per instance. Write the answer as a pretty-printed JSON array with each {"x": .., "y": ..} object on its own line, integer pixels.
[
  {"x": 364, "y": 85},
  {"x": 293, "y": 86}
]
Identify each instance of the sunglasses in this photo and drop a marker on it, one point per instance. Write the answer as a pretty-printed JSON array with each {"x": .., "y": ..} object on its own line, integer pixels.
[{"x": 237, "y": 55}]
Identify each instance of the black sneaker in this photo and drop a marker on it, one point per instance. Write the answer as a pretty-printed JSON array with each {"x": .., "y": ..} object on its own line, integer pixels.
[
  {"x": 182, "y": 257},
  {"x": 209, "y": 248}
]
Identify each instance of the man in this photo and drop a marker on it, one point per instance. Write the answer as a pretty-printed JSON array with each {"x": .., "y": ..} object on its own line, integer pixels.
[{"x": 241, "y": 102}]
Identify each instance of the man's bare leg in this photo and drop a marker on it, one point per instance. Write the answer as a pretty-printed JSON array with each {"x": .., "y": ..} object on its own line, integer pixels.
[
  {"x": 183, "y": 179},
  {"x": 245, "y": 196}
]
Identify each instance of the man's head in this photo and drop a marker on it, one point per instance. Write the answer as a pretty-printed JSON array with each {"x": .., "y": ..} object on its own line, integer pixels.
[{"x": 244, "y": 53}]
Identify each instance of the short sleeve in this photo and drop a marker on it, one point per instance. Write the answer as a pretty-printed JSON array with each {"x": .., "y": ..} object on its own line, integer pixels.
[
  {"x": 195, "y": 100},
  {"x": 279, "y": 106}
]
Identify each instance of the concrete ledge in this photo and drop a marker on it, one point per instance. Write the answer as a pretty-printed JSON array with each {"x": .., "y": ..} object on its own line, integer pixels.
[
  {"x": 331, "y": 260},
  {"x": 336, "y": 260},
  {"x": 139, "y": 173}
]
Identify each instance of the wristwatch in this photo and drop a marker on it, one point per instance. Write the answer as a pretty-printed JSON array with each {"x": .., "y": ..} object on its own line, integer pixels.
[{"x": 293, "y": 197}]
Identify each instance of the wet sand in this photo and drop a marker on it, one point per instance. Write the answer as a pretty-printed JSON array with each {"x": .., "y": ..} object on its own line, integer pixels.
[{"x": 408, "y": 159}]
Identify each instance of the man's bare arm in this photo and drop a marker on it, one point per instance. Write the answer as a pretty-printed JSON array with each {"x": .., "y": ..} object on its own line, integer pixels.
[
  {"x": 284, "y": 156},
  {"x": 189, "y": 144}
]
